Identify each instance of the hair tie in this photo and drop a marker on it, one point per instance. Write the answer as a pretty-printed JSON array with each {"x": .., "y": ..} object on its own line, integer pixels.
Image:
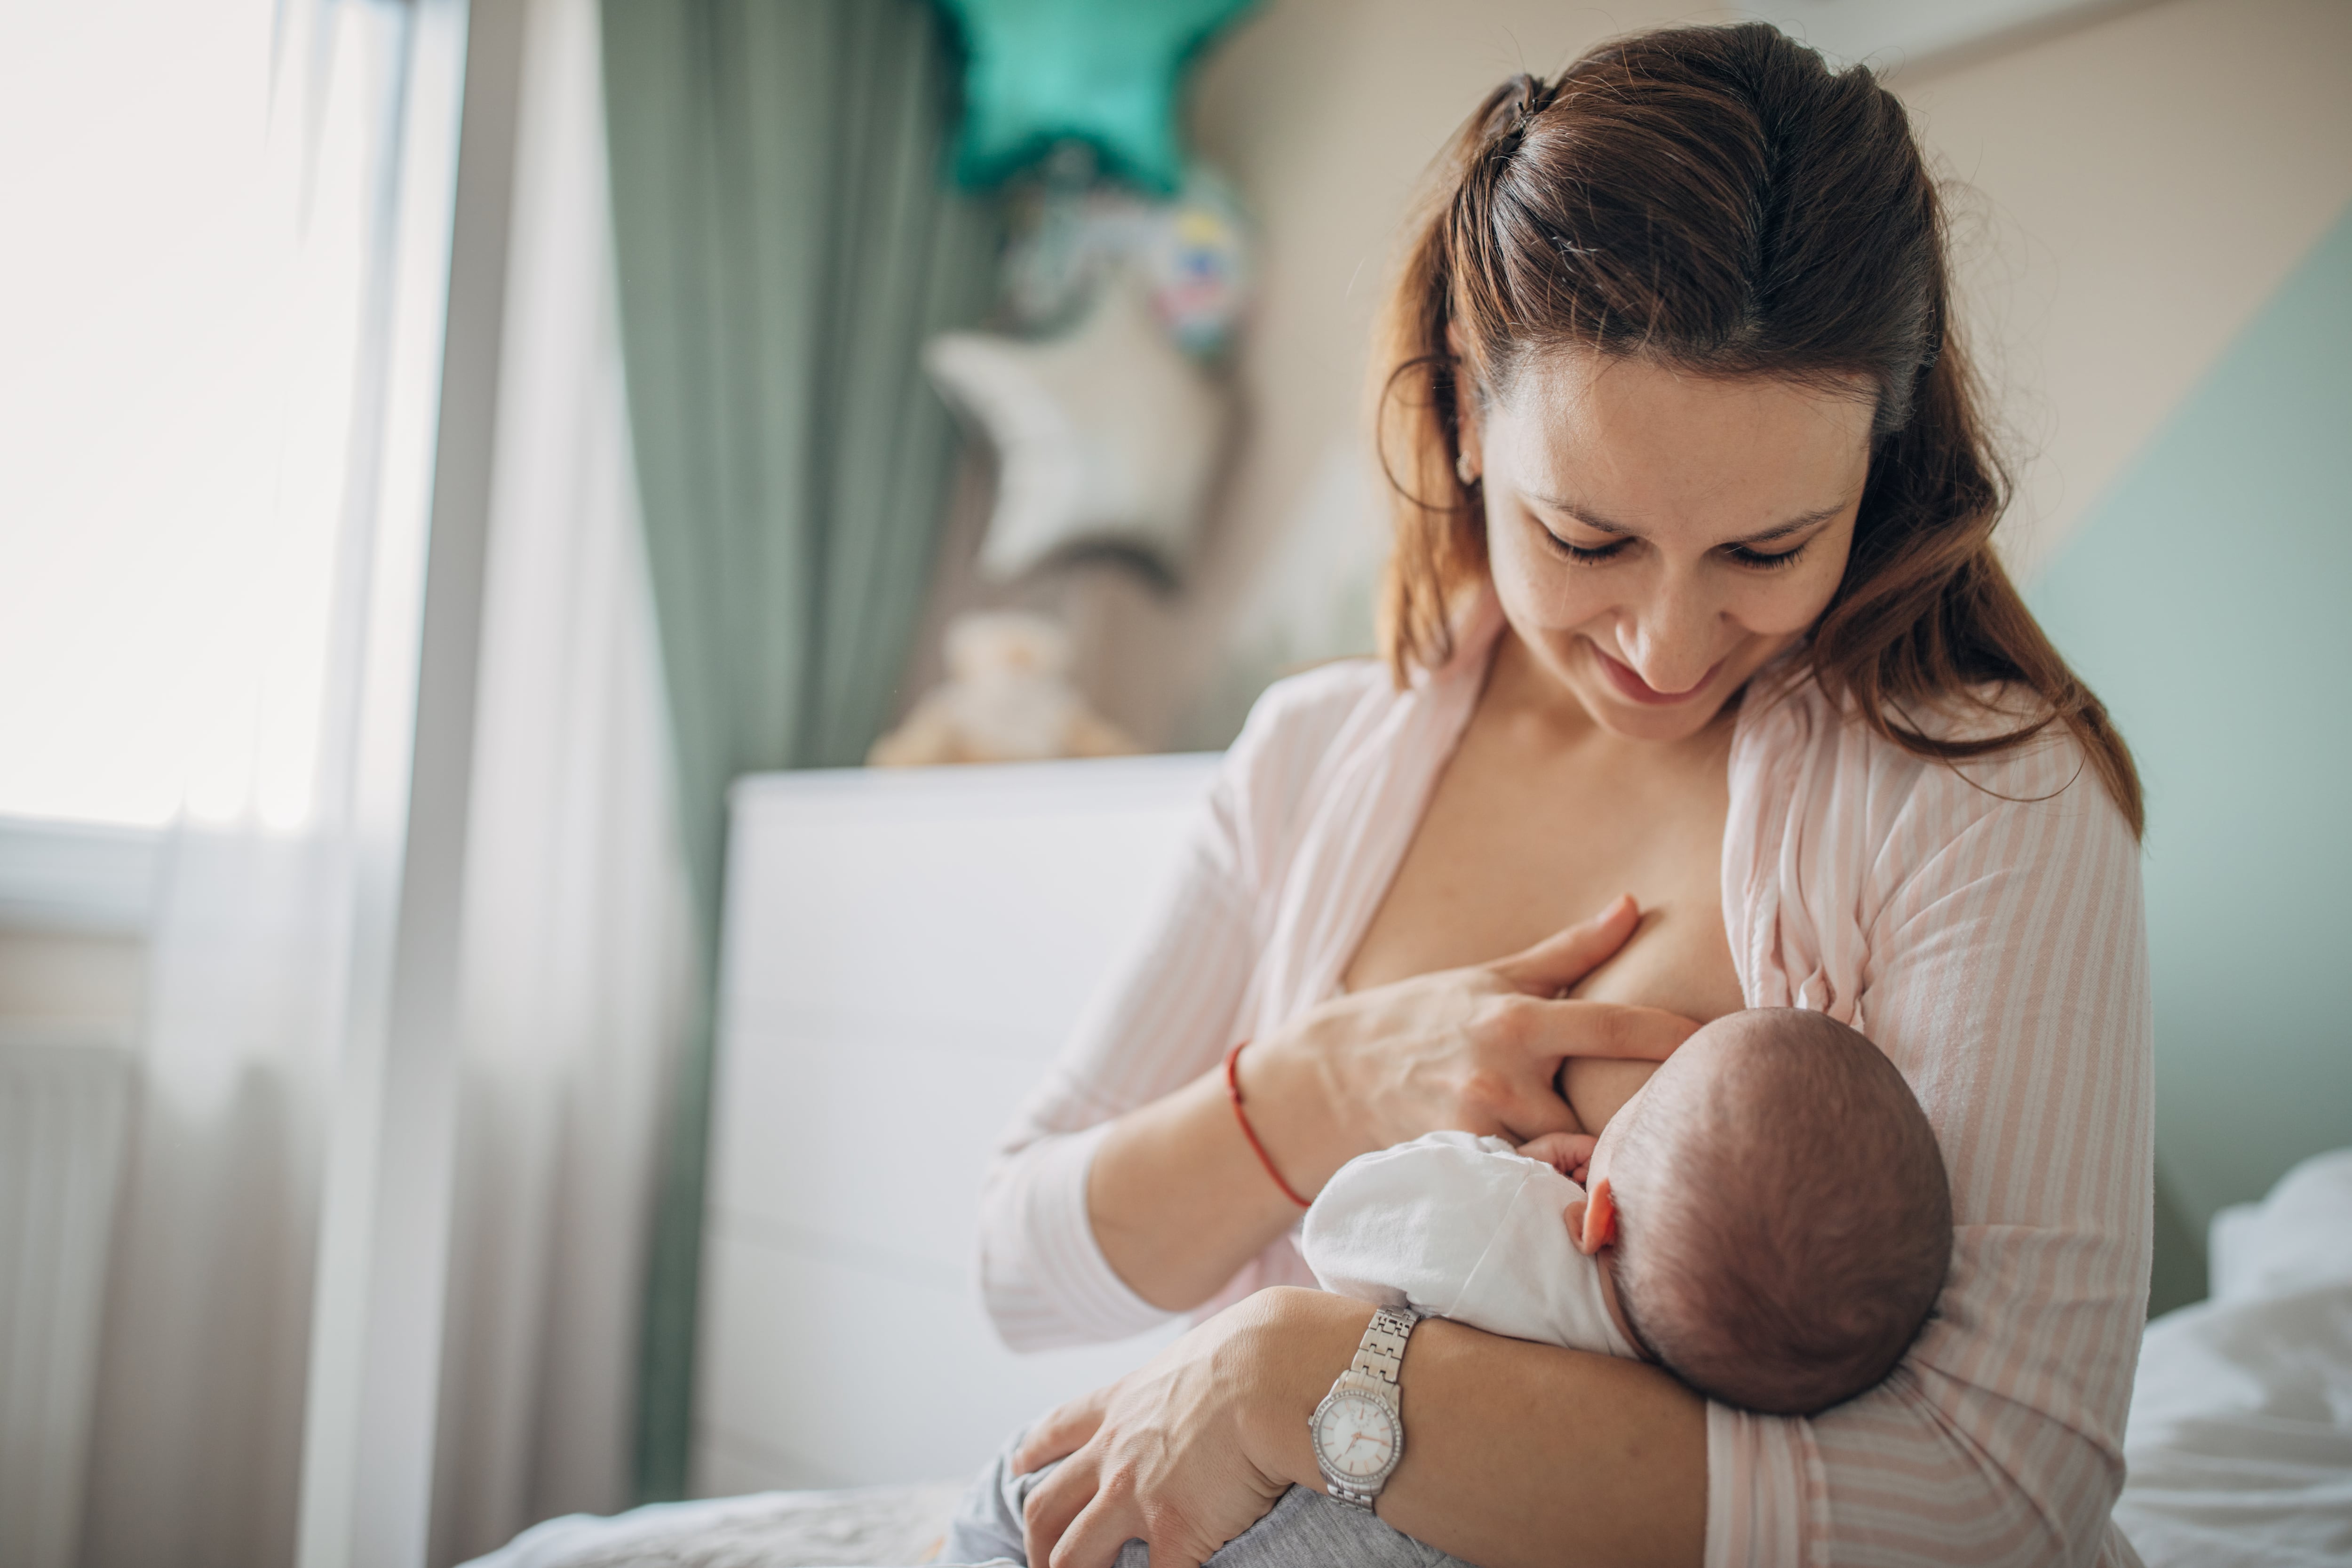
[{"x": 1534, "y": 96}]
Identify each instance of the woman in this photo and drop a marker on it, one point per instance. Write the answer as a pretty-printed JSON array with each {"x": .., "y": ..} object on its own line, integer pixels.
[{"x": 1694, "y": 595}]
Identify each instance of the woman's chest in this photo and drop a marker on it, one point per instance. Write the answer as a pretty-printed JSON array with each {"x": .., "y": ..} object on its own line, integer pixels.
[{"x": 1520, "y": 841}]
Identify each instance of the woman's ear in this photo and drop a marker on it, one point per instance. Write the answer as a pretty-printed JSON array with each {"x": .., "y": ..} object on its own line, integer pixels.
[{"x": 1469, "y": 452}]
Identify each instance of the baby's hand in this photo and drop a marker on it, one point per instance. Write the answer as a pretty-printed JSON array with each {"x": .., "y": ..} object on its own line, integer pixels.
[{"x": 1566, "y": 1153}]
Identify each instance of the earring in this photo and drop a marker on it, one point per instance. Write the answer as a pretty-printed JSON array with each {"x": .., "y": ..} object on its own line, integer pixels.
[{"x": 1462, "y": 469}]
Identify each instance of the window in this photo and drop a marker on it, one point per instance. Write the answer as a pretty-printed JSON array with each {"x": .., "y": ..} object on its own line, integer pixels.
[{"x": 192, "y": 197}]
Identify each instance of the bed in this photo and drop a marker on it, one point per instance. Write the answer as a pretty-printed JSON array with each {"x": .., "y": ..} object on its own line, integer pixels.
[{"x": 2240, "y": 1443}]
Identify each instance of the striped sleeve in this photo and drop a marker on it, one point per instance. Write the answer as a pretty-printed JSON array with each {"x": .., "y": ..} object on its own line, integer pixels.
[
  {"x": 1164, "y": 1018},
  {"x": 2002, "y": 965}
]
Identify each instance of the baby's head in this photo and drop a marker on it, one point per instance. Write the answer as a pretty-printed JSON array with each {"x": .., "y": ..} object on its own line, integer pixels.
[{"x": 1779, "y": 1211}]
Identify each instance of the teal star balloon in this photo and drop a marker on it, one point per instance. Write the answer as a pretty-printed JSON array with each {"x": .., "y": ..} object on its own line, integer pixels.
[{"x": 1104, "y": 72}]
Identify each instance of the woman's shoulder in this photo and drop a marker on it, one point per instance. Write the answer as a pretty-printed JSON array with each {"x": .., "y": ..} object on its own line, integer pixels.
[
  {"x": 1302, "y": 729},
  {"x": 1321, "y": 699},
  {"x": 1849, "y": 856},
  {"x": 1817, "y": 754},
  {"x": 1301, "y": 718}
]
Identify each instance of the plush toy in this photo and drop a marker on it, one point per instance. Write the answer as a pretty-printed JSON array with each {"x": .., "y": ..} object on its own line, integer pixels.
[{"x": 1007, "y": 699}]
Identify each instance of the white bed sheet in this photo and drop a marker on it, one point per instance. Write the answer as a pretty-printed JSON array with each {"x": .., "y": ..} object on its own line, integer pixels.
[
  {"x": 2240, "y": 1441},
  {"x": 854, "y": 1529}
]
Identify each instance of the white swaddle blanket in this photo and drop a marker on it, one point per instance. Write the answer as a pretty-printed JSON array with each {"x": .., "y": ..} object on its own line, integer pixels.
[{"x": 1463, "y": 1228}]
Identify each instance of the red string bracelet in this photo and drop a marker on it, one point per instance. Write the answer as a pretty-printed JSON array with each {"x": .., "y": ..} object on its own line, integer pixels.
[{"x": 1234, "y": 1089}]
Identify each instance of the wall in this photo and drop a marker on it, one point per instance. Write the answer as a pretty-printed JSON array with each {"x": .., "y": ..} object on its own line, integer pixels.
[
  {"x": 2204, "y": 599},
  {"x": 2135, "y": 189}
]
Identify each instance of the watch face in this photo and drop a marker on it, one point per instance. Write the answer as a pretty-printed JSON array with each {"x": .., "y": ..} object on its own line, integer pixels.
[{"x": 1357, "y": 1437}]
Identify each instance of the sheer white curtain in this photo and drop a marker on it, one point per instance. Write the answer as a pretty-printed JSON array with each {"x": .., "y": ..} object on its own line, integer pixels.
[
  {"x": 195, "y": 1445},
  {"x": 578, "y": 957},
  {"x": 575, "y": 934}
]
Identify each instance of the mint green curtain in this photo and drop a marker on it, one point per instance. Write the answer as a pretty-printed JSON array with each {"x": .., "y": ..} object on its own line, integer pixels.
[{"x": 786, "y": 242}]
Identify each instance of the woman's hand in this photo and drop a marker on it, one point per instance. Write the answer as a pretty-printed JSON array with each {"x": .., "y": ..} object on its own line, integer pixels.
[
  {"x": 1200, "y": 1445},
  {"x": 1472, "y": 1050},
  {"x": 1163, "y": 1456}
]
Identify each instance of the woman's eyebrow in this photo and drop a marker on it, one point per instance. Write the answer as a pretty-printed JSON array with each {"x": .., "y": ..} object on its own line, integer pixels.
[{"x": 1797, "y": 524}]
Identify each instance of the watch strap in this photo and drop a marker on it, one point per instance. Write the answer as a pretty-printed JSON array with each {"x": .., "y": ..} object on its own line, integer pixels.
[{"x": 1382, "y": 1353}]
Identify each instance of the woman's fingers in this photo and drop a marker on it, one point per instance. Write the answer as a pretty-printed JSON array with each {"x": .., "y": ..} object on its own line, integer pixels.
[
  {"x": 1609, "y": 1029},
  {"x": 1117, "y": 1517},
  {"x": 1560, "y": 960},
  {"x": 1532, "y": 1113},
  {"x": 1108, "y": 1517},
  {"x": 1168, "y": 1462},
  {"x": 1093, "y": 1538},
  {"x": 1065, "y": 1430},
  {"x": 1056, "y": 1500}
]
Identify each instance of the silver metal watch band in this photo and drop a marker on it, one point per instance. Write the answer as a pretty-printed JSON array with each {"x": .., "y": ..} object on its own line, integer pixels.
[{"x": 1382, "y": 1353}]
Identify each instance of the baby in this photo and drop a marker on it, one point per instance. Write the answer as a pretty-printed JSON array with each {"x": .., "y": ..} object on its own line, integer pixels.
[{"x": 1767, "y": 1218}]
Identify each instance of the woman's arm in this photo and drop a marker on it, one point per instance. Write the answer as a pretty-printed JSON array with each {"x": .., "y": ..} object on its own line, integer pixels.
[
  {"x": 1162, "y": 1022},
  {"x": 1517, "y": 1455},
  {"x": 1177, "y": 1197}
]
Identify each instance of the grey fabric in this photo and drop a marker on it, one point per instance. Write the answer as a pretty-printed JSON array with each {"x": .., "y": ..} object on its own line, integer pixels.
[{"x": 1306, "y": 1530}]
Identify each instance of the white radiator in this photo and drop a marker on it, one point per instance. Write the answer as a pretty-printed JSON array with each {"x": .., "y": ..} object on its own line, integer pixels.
[{"x": 64, "y": 1114}]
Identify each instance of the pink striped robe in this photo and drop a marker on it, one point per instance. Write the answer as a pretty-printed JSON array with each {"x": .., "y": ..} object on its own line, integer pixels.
[{"x": 1988, "y": 936}]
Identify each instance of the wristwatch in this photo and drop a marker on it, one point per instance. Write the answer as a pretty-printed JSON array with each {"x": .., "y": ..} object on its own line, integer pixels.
[{"x": 1358, "y": 1430}]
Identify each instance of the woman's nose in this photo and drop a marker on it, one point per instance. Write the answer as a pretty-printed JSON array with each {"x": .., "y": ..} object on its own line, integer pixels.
[{"x": 1670, "y": 641}]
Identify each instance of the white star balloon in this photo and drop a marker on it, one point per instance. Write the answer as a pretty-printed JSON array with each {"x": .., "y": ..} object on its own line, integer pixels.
[{"x": 1108, "y": 435}]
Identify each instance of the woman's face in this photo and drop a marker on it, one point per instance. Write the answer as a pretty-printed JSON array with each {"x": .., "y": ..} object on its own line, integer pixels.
[{"x": 1657, "y": 537}]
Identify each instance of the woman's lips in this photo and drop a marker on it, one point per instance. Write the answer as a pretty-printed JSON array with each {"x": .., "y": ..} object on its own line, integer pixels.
[{"x": 1634, "y": 688}]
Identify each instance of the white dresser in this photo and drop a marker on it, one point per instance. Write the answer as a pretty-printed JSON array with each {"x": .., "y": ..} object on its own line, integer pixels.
[{"x": 904, "y": 952}]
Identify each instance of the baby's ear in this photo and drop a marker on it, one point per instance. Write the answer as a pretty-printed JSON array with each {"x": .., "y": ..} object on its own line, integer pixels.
[{"x": 1593, "y": 1218}]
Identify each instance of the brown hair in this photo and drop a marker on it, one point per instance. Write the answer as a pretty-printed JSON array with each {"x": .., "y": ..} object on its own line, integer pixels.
[
  {"x": 1718, "y": 199},
  {"x": 1784, "y": 1221}
]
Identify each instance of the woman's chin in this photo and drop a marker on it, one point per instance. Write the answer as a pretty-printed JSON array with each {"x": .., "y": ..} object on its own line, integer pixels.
[
  {"x": 1635, "y": 721},
  {"x": 1647, "y": 716}
]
